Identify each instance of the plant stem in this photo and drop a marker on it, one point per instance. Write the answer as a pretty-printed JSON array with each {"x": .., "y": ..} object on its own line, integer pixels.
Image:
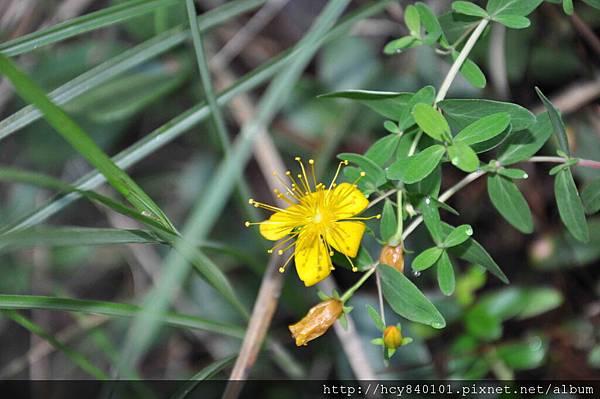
[
  {"x": 380, "y": 297},
  {"x": 582, "y": 162},
  {"x": 381, "y": 197},
  {"x": 460, "y": 60},
  {"x": 348, "y": 294},
  {"x": 444, "y": 197},
  {"x": 396, "y": 239}
]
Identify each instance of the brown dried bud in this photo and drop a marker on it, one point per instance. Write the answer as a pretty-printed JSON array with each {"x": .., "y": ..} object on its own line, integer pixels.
[
  {"x": 392, "y": 256},
  {"x": 392, "y": 337},
  {"x": 317, "y": 321}
]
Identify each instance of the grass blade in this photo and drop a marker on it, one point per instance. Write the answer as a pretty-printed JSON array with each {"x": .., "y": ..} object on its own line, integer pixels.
[
  {"x": 126, "y": 61},
  {"x": 75, "y": 236},
  {"x": 82, "y": 24},
  {"x": 81, "y": 142},
  {"x": 75, "y": 356},
  {"x": 113, "y": 309}
]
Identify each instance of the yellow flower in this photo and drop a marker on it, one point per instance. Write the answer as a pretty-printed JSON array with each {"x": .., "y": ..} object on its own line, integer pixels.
[
  {"x": 318, "y": 220},
  {"x": 317, "y": 321},
  {"x": 392, "y": 337}
]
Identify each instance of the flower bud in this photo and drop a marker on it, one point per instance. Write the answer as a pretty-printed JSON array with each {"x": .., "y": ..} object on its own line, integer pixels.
[
  {"x": 392, "y": 256},
  {"x": 317, "y": 321},
  {"x": 392, "y": 337}
]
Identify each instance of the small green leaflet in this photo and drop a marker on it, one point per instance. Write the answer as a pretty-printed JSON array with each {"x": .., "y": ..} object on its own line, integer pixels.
[
  {"x": 407, "y": 300},
  {"x": 416, "y": 167},
  {"x": 457, "y": 236},
  {"x": 512, "y": 173},
  {"x": 569, "y": 205},
  {"x": 468, "y": 8},
  {"x": 375, "y": 317},
  {"x": 431, "y": 217},
  {"x": 426, "y": 259},
  {"x": 509, "y": 201},
  {"x": 430, "y": 22},
  {"x": 512, "y": 7},
  {"x": 426, "y": 95},
  {"x": 513, "y": 21},
  {"x": 431, "y": 121},
  {"x": 374, "y": 173},
  {"x": 463, "y": 157},
  {"x": 412, "y": 21},
  {"x": 387, "y": 226},
  {"x": 484, "y": 129},
  {"x": 381, "y": 151},
  {"x": 568, "y": 7},
  {"x": 557, "y": 123},
  {"x": 462, "y": 112},
  {"x": 445, "y": 274},
  {"x": 403, "y": 43},
  {"x": 471, "y": 72},
  {"x": 523, "y": 144}
]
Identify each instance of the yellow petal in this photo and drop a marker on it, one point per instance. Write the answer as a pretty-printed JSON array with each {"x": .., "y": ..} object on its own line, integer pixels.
[
  {"x": 312, "y": 259},
  {"x": 345, "y": 237},
  {"x": 277, "y": 226},
  {"x": 348, "y": 201}
]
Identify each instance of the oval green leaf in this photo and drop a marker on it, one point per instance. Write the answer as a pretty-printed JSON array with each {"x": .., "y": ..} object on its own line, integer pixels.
[
  {"x": 569, "y": 205},
  {"x": 407, "y": 300},
  {"x": 416, "y": 167},
  {"x": 431, "y": 121},
  {"x": 445, "y": 274},
  {"x": 463, "y": 157},
  {"x": 509, "y": 201},
  {"x": 484, "y": 129},
  {"x": 426, "y": 259}
]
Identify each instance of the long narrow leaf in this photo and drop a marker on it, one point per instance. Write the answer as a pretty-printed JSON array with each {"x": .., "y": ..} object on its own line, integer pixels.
[
  {"x": 204, "y": 374},
  {"x": 82, "y": 24},
  {"x": 115, "y": 310}
]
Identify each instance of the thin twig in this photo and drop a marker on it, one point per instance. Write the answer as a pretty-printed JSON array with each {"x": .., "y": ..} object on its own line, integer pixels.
[
  {"x": 588, "y": 163},
  {"x": 586, "y": 33}
]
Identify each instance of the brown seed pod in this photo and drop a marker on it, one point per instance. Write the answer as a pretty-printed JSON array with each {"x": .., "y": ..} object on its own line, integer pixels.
[
  {"x": 392, "y": 256},
  {"x": 317, "y": 321}
]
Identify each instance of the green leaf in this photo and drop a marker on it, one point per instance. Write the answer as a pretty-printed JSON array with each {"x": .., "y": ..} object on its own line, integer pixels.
[
  {"x": 426, "y": 259},
  {"x": 407, "y": 300},
  {"x": 458, "y": 235},
  {"x": 471, "y": 72},
  {"x": 81, "y": 142},
  {"x": 431, "y": 121},
  {"x": 569, "y": 205},
  {"x": 431, "y": 217},
  {"x": 463, "y": 157},
  {"x": 76, "y": 236},
  {"x": 445, "y": 274},
  {"x": 382, "y": 150},
  {"x": 113, "y": 309},
  {"x": 430, "y": 22},
  {"x": 521, "y": 145},
  {"x": 591, "y": 197},
  {"x": 388, "y": 104},
  {"x": 557, "y": 123},
  {"x": 513, "y": 173},
  {"x": 568, "y": 7},
  {"x": 375, "y": 317},
  {"x": 468, "y": 8},
  {"x": 509, "y": 201},
  {"x": 462, "y": 112},
  {"x": 398, "y": 45},
  {"x": 512, "y": 7},
  {"x": 429, "y": 186},
  {"x": 82, "y": 24},
  {"x": 416, "y": 167},
  {"x": 523, "y": 356},
  {"x": 387, "y": 226},
  {"x": 425, "y": 95},
  {"x": 391, "y": 127},
  {"x": 482, "y": 324},
  {"x": 513, "y": 21},
  {"x": 539, "y": 300},
  {"x": 412, "y": 20},
  {"x": 374, "y": 172},
  {"x": 473, "y": 252},
  {"x": 484, "y": 129}
]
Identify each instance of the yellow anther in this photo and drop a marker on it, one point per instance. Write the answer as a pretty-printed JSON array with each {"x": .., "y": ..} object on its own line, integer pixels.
[
  {"x": 363, "y": 174},
  {"x": 281, "y": 270},
  {"x": 355, "y": 269},
  {"x": 311, "y": 161},
  {"x": 247, "y": 223},
  {"x": 280, "y": 252}
]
